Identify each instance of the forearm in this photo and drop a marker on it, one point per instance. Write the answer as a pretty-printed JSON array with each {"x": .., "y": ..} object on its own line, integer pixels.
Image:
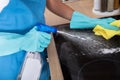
[{"x": 59, "y": 8}]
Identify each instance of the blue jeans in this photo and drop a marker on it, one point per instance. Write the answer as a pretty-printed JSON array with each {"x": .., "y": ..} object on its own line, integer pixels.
[{"x": 10, "y": 66}]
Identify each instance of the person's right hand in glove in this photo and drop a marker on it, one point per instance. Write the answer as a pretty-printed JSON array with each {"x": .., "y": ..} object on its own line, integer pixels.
[
  {"x": 32, "y": 41},
  {"x": 35, "y": 40},
  {"x": 81, "y": 21}
]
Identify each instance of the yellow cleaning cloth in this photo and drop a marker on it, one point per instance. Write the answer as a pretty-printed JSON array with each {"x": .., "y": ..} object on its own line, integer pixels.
[
  {"x": 116, "y": 23},
  {"x": 106, "y": 33}
]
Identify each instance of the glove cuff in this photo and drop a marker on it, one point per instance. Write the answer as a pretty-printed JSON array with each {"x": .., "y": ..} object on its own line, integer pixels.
[{"x": 76, "y": 16}]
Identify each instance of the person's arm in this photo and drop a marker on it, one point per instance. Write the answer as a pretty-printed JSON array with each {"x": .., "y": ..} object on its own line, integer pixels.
[
  {"x": 60, "y": 9},
  {"x": 77, "y": 19}
]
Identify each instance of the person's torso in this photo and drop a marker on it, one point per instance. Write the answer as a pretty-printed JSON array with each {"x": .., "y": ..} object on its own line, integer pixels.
[{"x": 19, "y": 16}]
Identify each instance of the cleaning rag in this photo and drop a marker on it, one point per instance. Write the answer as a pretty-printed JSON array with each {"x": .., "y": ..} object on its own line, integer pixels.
[{"x": 106, "y": 33}]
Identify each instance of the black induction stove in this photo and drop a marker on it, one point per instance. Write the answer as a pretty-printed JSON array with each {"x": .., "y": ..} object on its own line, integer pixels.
[{"x": 85, "y": 56}]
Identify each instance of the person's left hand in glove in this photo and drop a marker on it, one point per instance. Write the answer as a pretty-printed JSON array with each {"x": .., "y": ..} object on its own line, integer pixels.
[{"x": 81, "y": 21}]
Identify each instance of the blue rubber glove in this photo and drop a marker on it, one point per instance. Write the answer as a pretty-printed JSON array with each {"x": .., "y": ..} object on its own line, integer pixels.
[
  {"x": 32, "y": 41},
  {"x": 35, "y": 41},
  {"x": 81, "y": 21}
]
